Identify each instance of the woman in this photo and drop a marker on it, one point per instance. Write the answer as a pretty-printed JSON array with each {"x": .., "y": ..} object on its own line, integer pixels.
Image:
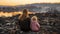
[{"x": 24, "y": 21}]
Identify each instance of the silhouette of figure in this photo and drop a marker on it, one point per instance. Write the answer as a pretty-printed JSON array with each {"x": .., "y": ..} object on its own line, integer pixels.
[{"x": 24, "y": 21}]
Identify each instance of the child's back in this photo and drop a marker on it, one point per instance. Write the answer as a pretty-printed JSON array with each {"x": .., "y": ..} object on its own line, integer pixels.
[{"x": 34, "y": 24}]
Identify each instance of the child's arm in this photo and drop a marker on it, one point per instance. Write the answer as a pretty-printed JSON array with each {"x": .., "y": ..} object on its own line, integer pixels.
[{"x": 38, "y": 25}]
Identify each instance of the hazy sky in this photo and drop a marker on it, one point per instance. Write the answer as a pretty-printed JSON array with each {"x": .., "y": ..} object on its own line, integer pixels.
[{"x": 23, "y": 2}]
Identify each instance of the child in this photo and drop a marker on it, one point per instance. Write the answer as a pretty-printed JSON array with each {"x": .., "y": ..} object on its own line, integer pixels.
[{"x": 34, "y": 24}]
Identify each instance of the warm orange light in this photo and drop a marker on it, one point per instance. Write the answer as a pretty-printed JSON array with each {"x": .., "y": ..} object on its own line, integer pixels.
[
  {"x": 23, "y": 2},
  {"x": 10, "y": 14}
]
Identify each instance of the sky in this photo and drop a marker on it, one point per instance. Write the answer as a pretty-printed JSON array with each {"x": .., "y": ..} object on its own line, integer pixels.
[{"x": 23, "y": 2}]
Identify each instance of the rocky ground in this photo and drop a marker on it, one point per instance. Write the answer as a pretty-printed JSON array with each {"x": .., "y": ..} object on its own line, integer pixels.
[{"x": 50, "y": 24}]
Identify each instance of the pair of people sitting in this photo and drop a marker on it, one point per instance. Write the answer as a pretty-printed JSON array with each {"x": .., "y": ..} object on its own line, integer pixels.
[{"x": 28, "y": 24}]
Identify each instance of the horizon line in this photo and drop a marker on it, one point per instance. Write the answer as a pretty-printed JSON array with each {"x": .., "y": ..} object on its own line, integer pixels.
[{"x": 32, "y": 3}]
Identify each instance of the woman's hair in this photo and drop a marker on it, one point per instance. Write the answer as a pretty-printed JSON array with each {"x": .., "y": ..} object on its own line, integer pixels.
[
  {"x": 24, "y": 14},
  {"x": 34, "y": 18}
]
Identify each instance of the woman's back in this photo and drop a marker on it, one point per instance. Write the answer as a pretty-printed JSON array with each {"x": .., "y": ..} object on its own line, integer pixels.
[{"x": 25, "y": 24}]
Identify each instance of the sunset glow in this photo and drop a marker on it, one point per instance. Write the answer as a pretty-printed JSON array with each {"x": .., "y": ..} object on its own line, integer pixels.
[
  {"x": 23, "y": 2},
  {"x": 10, "y": 14}
]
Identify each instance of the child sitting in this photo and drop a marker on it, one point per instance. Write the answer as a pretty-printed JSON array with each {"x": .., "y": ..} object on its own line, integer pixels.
[{"x": 35, "y": 26}]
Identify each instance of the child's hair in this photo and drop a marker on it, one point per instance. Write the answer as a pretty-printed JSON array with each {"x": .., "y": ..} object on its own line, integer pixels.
[{"x": 34, "y": 18}]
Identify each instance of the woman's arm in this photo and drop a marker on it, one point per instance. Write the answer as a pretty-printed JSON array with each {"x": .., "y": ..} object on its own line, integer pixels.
[{"x": 18, "y": 24}]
